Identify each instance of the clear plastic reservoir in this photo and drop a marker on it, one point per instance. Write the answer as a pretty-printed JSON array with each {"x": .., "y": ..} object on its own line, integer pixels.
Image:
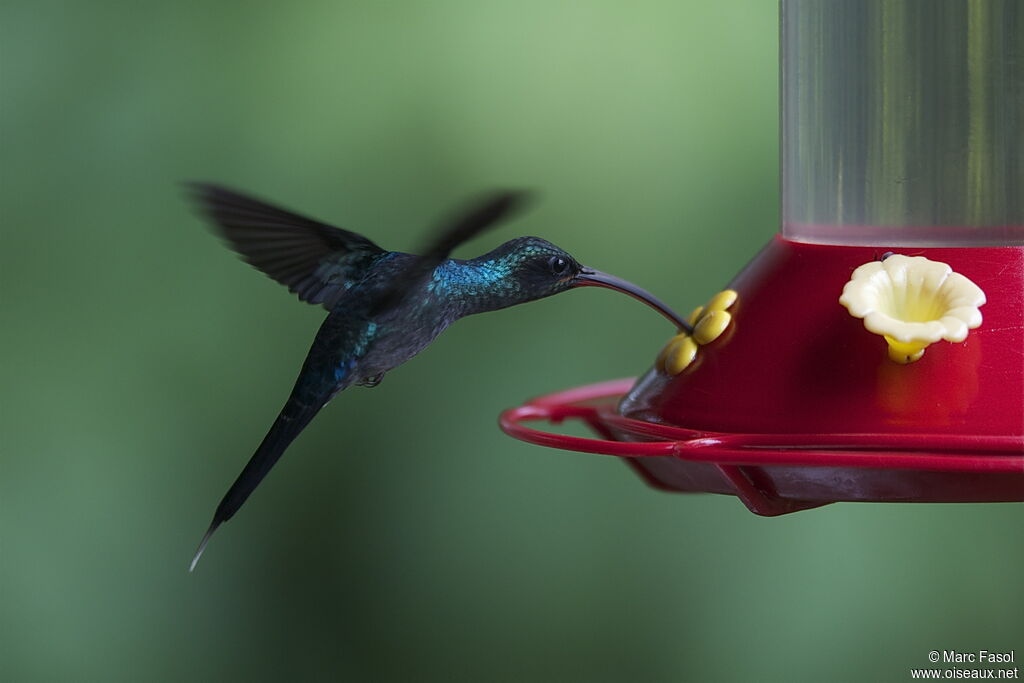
[{"x": 903, "y": 121}]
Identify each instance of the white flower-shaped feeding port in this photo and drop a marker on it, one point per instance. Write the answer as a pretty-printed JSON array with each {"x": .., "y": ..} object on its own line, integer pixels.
[{"x": 913, "y": 302}]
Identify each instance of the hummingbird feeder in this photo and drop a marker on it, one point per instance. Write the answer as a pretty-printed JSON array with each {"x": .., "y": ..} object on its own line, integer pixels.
[{"x": 874, "y": 349}]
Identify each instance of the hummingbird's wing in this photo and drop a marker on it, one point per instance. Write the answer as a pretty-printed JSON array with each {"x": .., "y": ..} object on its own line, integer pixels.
[
  {"x": 312, "y": 259},
  {"x": 482, "y": 214}
]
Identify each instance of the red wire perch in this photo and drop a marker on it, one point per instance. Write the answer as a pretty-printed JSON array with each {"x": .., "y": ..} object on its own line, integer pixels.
[{"x": 779, "y": 473}]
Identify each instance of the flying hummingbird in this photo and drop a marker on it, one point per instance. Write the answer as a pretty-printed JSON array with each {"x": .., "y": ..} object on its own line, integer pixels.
[{"x": 384, "y": 306}]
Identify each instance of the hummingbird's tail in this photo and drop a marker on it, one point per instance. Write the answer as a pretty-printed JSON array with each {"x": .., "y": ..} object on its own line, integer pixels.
[{"x": 293, "y": 419}]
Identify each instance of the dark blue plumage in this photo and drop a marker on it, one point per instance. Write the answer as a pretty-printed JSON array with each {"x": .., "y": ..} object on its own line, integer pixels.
[{"x": 385, "y": 307}]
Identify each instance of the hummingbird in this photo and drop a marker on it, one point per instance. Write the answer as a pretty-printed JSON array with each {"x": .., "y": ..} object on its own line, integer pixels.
[{"x": 383, "y": 306}]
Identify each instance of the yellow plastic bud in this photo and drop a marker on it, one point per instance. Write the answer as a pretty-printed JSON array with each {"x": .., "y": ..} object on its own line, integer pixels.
[{"x": 711, "y": 326}]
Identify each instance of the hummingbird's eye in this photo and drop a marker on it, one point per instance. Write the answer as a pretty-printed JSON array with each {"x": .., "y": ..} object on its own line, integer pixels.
[{"x": 558, "y": 265}]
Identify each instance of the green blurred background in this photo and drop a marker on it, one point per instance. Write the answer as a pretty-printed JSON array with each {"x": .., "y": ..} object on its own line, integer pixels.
[{"x": 404, "y": 537}]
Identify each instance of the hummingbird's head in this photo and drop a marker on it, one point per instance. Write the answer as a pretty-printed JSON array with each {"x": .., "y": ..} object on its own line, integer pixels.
[
  {"x": 541, "y": 269},
  {"x": 537, "y": 267}
]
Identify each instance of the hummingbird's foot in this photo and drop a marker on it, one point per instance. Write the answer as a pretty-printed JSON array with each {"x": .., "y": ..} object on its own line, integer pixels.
[{"x": 371, "y": 382}]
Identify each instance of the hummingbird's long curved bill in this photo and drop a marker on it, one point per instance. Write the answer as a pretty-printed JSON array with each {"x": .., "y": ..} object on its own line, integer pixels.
[{"x": 595, "y": 278}]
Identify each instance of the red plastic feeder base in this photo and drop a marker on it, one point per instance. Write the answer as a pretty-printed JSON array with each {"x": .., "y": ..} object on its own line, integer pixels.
[
  {"x": 774, "y": 474},
  {"x": 797, "y": 405}
]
